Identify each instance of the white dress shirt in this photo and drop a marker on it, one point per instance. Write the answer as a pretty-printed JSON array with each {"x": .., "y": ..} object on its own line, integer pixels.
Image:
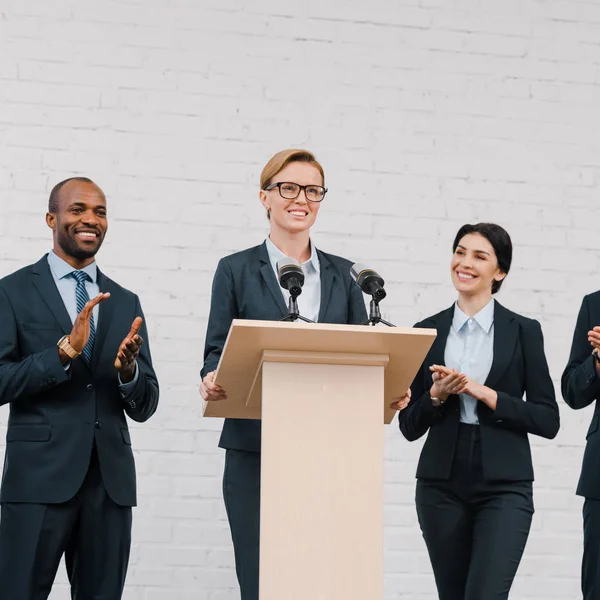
[
  {"x": 470, "y": 350},
  {"x": 309, "y": 301}
]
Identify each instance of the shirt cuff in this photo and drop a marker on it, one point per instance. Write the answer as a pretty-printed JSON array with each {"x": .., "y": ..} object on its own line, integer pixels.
[{"x": 127, "y": 388}]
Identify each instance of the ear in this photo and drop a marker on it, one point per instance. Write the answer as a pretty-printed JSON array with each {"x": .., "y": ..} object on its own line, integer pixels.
[
  {"x": 51, "y": 220},
  {"x": 499, "y": 276},
  {"x": 264, "y": 200}
]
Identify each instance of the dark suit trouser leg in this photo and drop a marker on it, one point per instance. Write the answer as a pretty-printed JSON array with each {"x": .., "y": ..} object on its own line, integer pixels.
[
  {"x": 33, "y": 538},
  {"x": 503, "y": 514},
  {"x": 475, "y": 531},
  {"x": 590, "y": 567},
  {"x": 241, "y": 491},
  {"x": 97, "y": 555}
]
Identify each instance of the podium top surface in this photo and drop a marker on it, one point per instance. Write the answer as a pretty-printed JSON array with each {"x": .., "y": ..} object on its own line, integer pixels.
[{"x": 406, "y": 348}]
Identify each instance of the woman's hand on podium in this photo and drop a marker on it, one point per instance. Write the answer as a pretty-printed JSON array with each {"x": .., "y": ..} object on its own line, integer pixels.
[
  {"x": 401, "y": 403},
  {"x": 210, "y": 391}
]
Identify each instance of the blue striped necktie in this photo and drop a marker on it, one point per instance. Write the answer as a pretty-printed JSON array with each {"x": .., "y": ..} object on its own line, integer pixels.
[{"x": 82, "y": 297}]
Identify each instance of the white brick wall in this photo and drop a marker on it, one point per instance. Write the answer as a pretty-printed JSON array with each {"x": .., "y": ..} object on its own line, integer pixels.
[{"x": 426, "y": 114}]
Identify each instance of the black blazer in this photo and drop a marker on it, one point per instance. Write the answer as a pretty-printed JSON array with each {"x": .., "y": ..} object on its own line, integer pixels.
[
  {"x": 580, "y": 387},
  {"x": 245, "y": 287},
  {"x": 519, "y": 366},
  {"x": 54, "y": 415}
]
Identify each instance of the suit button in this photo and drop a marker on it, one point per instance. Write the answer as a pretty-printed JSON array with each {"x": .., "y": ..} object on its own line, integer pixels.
[
  {"x": 98, "y": 425},
  {"x": 89, "y": 386}
]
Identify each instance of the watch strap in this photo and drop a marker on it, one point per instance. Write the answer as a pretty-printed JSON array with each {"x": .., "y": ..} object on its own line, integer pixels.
[{"x": 65, "y": 345}]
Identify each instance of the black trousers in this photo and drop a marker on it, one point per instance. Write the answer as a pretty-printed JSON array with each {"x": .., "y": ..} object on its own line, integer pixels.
[
  {"x": 475, "y": 531},
  {"x": 91, "y": 530},
  {"x": 241, "y": 491},
  {"x": 590, "y": 567}
]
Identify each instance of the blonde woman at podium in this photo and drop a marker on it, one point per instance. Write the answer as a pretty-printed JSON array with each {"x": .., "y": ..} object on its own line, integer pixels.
[
  {"x": 474, "y": 477},
  {"x": 246, "y": 286}
]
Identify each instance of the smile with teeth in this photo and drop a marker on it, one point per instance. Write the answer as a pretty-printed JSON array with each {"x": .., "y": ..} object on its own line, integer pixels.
[
  {"x": 464, "y": 276},
  {"x": 87, "y": 234},
  {"x": 298, "y": 213}
]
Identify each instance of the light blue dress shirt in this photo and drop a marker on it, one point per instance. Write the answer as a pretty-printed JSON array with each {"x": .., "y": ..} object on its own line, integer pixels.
[
  {"x": 309, "y": 301},
  {"x": 61, "y": 271},
  {"x": 470, "y": 350}
]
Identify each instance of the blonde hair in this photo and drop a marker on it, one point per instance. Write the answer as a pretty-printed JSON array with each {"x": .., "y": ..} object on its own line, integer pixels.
[{"x": 282, "y": 159}]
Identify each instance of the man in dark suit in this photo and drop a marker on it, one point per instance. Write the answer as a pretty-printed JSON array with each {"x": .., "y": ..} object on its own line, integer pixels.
[
  {"x": 580, "y": 387},
  {"x": 70, "y": 371}
]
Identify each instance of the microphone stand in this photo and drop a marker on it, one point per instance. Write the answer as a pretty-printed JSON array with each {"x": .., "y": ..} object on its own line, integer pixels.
[
  {"x": 375, "y": 315},
  {"x": 293, "y": 312}
]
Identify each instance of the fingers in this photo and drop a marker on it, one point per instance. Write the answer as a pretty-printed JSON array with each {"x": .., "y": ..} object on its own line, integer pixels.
[
  {"x": 90, "y": 304},
  {"x": 442, "y": 369},
  {"x": 135, "y": 327},
  {"x": 86, "y": 311},
  {"x": 209, "y": 382},
  {"x": 210, "y": 391},
  {"x": 454, "y": 383},
  {"x": 594, "y": 337},
  {"x": 403, "y": 402}
]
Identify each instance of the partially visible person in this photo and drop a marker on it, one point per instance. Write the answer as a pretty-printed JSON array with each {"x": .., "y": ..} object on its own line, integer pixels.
[{"x": 581, "y": 388}]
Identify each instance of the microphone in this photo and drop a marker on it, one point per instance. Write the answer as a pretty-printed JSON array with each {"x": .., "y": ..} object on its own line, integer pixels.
[
  {"x": 290, "y": 275},
  {"x": 369, "y": 281}
]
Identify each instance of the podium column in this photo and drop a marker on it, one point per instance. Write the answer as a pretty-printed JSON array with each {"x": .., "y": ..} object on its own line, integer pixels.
[{"x": 322, "y": 476}]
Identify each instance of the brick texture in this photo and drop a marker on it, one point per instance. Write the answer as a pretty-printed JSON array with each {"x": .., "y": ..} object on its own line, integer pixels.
[{"x": 426, "y": 114}]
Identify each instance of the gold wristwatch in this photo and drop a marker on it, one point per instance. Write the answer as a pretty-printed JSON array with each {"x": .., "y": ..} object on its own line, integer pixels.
[{"x": 65, "y": 346}]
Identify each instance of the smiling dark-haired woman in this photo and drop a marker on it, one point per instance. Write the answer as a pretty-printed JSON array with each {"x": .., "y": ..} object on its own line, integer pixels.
[{"x": 474, "y": 478}]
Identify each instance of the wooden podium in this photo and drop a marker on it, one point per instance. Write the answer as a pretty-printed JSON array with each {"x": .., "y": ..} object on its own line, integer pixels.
[{"x": 323, "y": 393}]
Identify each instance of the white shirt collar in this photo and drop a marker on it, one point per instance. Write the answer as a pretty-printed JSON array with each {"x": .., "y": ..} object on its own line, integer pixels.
[
  {"x": 484, "y": 318},
  {"x": 275, "y": 254},
  {"x": 62, "y": 268}
]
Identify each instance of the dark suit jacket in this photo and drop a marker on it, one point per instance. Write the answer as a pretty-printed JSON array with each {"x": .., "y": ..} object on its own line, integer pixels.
[
  {"x": 581, "y": 387},
  {"x": 54, "y": 416},
  {"x": 519, "y": 366},
  {"x": 245, "y": 287}
]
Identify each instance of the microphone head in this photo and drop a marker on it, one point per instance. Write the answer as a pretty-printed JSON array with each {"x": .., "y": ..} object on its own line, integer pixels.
[
  {"x": 368, "y": 280},
  {"x": 290, "y": 275}
]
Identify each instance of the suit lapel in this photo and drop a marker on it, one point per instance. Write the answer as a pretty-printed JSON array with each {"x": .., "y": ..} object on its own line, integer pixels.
[
  {"x": 443, "y": 322},
  {"x": 328, "y": 280},
  {"x": 105, "y": 316},
  {"x": 506, "y": 332},
  {"x": 268, "y": 275},
  {"x": 44, "y": 283}
]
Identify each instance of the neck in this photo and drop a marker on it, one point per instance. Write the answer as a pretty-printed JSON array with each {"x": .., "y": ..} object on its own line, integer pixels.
[
  {"x": 76, "y": 263},
  {"x": 294, "y": 245},
  {"x": 471, "y": 305}
]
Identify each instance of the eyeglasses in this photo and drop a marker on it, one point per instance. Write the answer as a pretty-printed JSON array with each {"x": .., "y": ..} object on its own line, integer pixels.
[{"x": 290, "y": 191}]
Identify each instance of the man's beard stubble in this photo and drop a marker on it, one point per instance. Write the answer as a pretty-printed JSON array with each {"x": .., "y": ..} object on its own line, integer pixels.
[{"x": 71, "y": 248}]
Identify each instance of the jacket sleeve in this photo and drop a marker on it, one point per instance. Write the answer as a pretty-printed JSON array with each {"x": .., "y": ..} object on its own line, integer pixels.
[
  {"x": 420, "y": 414},
  {"x": 579, "y": 384},
  {"x": 539, "y": 415},
  {"x": 223, "y": 309},
  {"x": 141, "y": 402},
  {"x": 31, "y": 375}
]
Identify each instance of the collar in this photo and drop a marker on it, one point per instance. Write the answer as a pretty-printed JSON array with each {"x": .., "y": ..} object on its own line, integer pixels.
[
  {"x": 61, "y": 269},
  {"x": 275, "y": 254},
  {"x": 484, "y": 318}
]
